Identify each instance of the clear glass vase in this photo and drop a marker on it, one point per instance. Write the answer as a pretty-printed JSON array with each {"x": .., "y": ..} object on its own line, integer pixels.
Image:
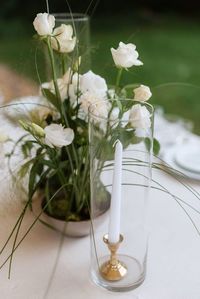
[
  {"x": 81, "y": 29},
  {"x": 131, "y": 251}
]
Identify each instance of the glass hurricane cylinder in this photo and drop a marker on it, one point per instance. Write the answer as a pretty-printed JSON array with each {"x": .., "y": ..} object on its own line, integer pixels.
[{"x": 137, "y": 145}]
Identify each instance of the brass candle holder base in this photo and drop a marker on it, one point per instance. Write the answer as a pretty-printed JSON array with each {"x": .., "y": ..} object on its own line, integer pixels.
[{"x": 113, "y": 269}]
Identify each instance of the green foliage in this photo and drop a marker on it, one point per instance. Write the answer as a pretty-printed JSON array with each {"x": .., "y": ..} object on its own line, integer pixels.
[
  {"x": 127, "y": 90},
  {"x": 48, "y": 163},
  {"x": 103, "y": 147},
  {"x": 128, "y": 137},
  {"x": 50, "y": 96},
  {"x": 127, "y": 105},
  {"x": 25, "y": 168},
  {"x": 26, "y": 148},
  {"x": 156, "y": 145}
]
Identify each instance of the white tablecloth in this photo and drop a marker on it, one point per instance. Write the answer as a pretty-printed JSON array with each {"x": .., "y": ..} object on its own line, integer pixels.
[{"x": 173, "y": 265}]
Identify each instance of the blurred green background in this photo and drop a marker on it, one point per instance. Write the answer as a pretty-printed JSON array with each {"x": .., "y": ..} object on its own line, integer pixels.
[{"x": 167, "y": 39}]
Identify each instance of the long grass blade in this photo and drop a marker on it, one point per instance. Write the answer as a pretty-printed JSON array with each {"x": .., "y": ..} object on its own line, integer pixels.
[{"x": 31, "y": 226}]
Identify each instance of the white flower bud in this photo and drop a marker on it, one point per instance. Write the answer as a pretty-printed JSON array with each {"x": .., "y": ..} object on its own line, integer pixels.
[
  {"x": 142, "y": 93},
  {"x": 25, "y": 126},
  {"x": 44, "y": 23},
  {"x": 77, "y": 64},
  {"x": 38, "y": 130}
]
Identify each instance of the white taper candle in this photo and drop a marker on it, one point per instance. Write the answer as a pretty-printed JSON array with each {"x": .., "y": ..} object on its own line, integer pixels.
[{"x": 115, "y": 207}]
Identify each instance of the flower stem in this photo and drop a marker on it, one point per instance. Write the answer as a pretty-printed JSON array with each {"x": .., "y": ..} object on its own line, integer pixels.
[
  {"x": 60, "y": 104},
  {"x": 63, "y": 60},
  {"x": 30, "y": 227},
  {"x": 54, "y": 74},
  {"x": 118, "y": 80}
]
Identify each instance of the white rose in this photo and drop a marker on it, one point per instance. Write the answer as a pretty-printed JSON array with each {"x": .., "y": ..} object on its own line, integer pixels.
[
  {"x": 63, "y": 41},
  {"x": 93, "y": 83},
  {"x": 62, "y": 85},
  {"x": 3, "y": 137},
  {"x": 44, "y": 23},
  {"x": 100, "y": 109},
  {"x": 56, "y": 135},
  {"x": 142, "y": 93},
  {"x": 140, "y": 117},
  {"x": 125, "y": 55}
]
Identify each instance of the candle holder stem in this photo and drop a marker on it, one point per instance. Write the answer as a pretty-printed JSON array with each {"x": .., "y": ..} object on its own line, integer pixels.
[{"x": 113, "y": 269}]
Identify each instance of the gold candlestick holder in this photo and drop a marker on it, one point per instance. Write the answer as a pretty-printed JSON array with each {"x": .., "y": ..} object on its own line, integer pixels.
[{"x": 113, "y": 269}]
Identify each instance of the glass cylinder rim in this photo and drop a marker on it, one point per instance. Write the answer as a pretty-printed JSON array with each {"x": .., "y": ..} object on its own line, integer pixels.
[
  {"x": 93, "y": 115},
  {"x": 63, "y": 17}
]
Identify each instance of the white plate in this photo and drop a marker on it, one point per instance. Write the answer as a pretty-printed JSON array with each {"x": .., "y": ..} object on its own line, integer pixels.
[
  {"x": 188, "y": 158},
  {"x": 169, "y": 156}
]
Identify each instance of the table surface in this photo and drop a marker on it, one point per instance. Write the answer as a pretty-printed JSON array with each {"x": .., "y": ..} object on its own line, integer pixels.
[{"x": 173, "y": 264}]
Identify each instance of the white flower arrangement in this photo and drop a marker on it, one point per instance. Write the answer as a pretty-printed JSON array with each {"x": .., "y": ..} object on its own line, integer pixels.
[
  {"x": 60, "y": 131},
  {"x": 55, "y": 146},
  {"x": 62, "y": 136}
]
